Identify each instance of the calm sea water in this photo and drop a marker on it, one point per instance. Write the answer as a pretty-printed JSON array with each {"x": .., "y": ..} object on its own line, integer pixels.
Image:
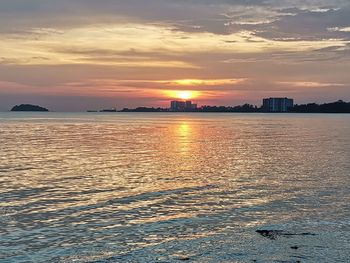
[{"x": 174, "y": 187}]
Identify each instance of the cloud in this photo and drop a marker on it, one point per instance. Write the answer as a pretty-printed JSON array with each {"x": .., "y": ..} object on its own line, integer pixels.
[
  {"x": 179, "y": 84},
  {"x": 201, "y": 82},
  {"x": 337, "y": 29},
  {"x": 188, "y": 15},
  {"x": 309, "y": 25},
  {"x": 161, "y": 46},
  {"x": 310, "y": 84}
]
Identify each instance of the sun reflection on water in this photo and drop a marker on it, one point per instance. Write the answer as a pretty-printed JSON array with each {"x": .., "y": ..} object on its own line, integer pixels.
[{"x": 185, "y": 134}]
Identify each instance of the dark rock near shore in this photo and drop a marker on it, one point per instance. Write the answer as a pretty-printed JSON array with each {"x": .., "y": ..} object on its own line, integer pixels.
[
  {"x": 28, "y": 107},
  {"x": 184, "y": 258},
  {"x": 273, "y": 234}
]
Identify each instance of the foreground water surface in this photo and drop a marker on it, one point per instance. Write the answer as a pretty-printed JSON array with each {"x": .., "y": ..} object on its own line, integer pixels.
[{"x": 174, "y": 187}]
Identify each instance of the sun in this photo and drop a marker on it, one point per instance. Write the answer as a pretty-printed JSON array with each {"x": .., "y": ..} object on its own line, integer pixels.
[{"x": 182, "y": 94}]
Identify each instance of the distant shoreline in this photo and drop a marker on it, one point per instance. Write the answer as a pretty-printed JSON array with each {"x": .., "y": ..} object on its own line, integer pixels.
[
  {"x": 170, "y": 112},
  {"x": 338, "y": 107}
]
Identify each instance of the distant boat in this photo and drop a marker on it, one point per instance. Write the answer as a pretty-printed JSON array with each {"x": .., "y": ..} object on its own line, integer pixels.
[{"x": 92, "y": 111}]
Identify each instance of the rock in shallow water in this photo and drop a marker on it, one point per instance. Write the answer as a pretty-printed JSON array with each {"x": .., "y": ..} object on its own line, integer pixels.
[
  {"x": 184, "y": 258},
  {"x": 273, "y": 234}
]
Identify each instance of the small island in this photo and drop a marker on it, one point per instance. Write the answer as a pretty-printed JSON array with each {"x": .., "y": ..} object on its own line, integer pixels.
[{"x": 29, "y": 107}]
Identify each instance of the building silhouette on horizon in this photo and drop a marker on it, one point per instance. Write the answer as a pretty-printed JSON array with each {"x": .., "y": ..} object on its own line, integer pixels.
[
  {"x": 176, "y": 105},
  {"x": 277, "y": 104}
]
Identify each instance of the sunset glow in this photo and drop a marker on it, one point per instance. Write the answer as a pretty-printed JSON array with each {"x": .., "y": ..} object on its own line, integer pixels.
[{"x": 134, "y": 53}]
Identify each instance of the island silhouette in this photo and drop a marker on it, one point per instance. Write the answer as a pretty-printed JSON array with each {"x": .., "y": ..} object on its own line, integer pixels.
[{"x": 29, "y": 107}]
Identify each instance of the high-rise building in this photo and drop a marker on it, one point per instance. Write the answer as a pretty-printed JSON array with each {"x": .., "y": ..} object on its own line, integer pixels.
[
  {"x": 188, "y": 105},
  {"x": 177, "y": 105},
  {"x": 182, "y": 106},
  {"x": 277, "y": 104}
]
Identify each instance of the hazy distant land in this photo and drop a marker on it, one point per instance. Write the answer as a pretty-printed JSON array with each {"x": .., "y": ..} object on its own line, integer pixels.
[{"x": 333, "y": 107}]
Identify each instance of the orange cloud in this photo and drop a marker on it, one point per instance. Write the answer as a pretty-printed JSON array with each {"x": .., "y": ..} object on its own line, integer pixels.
[
  {"x": 201, "y": 82},
  {"x": 309, "y": 84}
]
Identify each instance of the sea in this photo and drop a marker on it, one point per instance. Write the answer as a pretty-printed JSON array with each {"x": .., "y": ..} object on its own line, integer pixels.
[{"x": 174, "y": 187}]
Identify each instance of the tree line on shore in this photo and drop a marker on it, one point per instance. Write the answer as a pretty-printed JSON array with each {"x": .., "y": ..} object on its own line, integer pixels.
[{"x": 333, "y": 107}]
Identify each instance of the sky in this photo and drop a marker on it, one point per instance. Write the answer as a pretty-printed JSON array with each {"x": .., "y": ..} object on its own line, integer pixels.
[{"x": 75, "y": 55}]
